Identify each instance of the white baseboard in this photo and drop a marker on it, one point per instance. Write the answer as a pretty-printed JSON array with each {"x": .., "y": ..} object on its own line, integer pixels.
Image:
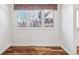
[
  {"x": 18, "y": 44},
  {"x": 67, "y": 51},
  {"x": 1, "y": 51}
]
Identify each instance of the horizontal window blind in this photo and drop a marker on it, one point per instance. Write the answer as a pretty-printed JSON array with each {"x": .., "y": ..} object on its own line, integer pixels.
[{"x": 34, "y": 6}]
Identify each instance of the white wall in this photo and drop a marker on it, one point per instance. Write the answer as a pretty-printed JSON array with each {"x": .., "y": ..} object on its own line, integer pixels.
[
  {"x": 77, "y": 34},
  {"x": 37, "y": 36},
  {"x": 68, "y": 28},
  {"x": 4, "y": 28}
]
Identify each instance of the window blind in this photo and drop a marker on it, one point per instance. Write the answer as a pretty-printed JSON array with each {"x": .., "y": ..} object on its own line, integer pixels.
[{"x": 35, "y": 6}]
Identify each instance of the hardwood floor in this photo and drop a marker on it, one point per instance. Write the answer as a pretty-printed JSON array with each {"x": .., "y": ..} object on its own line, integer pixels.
[{"x": 34, "y": 50}]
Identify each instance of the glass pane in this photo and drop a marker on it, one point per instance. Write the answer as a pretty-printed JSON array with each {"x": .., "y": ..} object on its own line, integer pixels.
[
  {"x": 35, "y": 18},
  {"x": 22, "y": 18},
  {"x": 48, "y": 18}
]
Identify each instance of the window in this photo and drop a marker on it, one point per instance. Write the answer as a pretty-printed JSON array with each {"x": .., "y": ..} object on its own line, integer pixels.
[
  {"x": 35, "y": 18},
  {"x": 35, "y": 15}
]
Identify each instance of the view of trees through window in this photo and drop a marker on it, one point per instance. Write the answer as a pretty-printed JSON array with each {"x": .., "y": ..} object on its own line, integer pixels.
[{"x": 35, "y": 18}]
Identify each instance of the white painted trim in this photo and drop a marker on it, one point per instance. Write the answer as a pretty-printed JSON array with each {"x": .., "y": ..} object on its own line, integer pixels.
[
  {"x": 74, "y": 53},
  {"x": 1, "y": 51},
  {"x": 66, "y": 50},
  {"x": 19, "y": 44}
]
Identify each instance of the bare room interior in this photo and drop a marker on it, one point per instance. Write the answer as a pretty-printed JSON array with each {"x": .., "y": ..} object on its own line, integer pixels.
[{"x": 38, "y": 29}]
